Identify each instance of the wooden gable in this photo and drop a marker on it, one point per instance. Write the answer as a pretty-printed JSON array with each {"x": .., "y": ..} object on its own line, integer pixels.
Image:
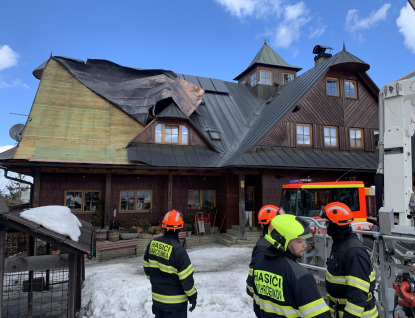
[
  {"x": 69, "y": 122},
  {"x": 319, "y": 110},
  {"x": 148, "y": 134}
]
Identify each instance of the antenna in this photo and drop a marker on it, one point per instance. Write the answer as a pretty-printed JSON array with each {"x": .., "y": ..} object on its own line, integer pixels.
[
  {"x": 265, "y": 40},
  {"x": 16, "y": 131}
]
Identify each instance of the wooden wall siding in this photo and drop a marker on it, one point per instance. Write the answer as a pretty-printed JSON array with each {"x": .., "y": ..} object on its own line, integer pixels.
[
  {"x": 276, "y": 74},
  {"x": 158, "y": 184},
  {"x": 321, "y": 110},
  {"x": 148, "y": 134},
  {"x": 277, "y": 137},
  {"x": 68, "y": 121},
  {"x": 54, "y": 185}
]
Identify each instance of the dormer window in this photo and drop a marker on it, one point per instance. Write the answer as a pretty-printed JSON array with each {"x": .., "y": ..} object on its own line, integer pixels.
[
  {"x": 172, "y": 134},
  {"x": 288, "y": 77},
  {"x": 265, "y": 77},
  {"x": 253, "y": 79}
]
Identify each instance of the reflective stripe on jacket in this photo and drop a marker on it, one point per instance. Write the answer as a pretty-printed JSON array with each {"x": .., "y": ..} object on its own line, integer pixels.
[
  {"x": 170, "y": 271},
  {"x": 257, "y": 253},
  {"x": 283, "y": 288},
  {"x": 350, "y": 280}
]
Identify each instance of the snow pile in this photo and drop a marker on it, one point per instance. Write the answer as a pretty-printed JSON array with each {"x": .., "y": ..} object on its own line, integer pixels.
[
  {"x": 120, "y": 289},
  {"x": 55, "y": 218}
]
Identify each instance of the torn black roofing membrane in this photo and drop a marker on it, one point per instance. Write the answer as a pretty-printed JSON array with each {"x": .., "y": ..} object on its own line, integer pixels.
[{"x": 132, "y": 90}]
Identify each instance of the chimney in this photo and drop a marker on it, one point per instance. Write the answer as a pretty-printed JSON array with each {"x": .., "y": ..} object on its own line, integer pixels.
[{"x": 321, "y": 56}]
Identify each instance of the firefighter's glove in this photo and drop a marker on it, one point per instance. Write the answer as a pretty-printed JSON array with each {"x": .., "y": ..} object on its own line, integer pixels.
[{"x": 193, "y": 306}]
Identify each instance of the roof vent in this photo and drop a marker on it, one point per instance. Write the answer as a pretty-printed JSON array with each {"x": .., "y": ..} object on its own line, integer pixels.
[{"x": 321, "y": 56}]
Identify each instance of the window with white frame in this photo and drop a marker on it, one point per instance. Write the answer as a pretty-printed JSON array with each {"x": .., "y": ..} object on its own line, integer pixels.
[
  {"x": 330, "y": 136},
  {"x": 303, "y": 135},
  {"x": 356, "y": 138}
]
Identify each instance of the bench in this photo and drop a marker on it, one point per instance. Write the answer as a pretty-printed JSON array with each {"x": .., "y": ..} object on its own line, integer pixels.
[
  {"x": 118, "y": 244},
  {"x": 182, "y": 235}
]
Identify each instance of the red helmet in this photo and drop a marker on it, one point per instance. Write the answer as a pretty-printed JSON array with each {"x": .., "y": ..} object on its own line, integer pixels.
[
  {"x": 338, "y": 213},
  {"x": 267, "y": 213},
  {"x": 173, "y": 220}
]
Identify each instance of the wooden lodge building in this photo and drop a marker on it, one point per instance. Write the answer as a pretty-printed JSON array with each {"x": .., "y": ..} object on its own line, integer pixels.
[{"x": 147, "y": 141}]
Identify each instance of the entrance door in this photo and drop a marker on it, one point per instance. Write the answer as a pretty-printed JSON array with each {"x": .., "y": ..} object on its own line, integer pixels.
[{"x": 250, "y": 191}]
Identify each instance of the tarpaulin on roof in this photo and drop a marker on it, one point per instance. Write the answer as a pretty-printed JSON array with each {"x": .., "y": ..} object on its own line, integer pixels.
[{"x": 133, "y": 90}]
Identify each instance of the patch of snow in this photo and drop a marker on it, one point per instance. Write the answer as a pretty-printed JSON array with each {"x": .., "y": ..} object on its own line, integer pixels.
[
  {"x": 55, "y": 218},
  {"x": 120, "y": 289}
]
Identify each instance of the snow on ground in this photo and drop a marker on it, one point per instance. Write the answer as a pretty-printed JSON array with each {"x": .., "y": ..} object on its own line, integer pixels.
[
  {"x": 119, "y": 288},
  {"x": 55, "y": 218}
]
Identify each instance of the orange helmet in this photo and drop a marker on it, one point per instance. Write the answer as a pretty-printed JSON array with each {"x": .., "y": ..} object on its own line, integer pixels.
[
  {"x": 173, "y": 220},
  {"x": 338, "y": 213},
  {"x": 267, "y": 213}
]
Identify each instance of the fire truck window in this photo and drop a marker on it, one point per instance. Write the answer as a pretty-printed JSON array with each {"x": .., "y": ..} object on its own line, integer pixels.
[{"x": 347, "y": 196}]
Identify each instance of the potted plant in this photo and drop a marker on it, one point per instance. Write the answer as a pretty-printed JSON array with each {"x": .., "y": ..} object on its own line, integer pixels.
[
  {"x": 188, "y": 228},
  {"x": 100, "y": 234},
  {"x": 145, "y": 224},
  {"x": 208, "y": 204}
]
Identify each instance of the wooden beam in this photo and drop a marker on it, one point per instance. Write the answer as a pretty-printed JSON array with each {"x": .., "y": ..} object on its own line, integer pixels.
[
  {"x": 107, "y": 201},
  {"x": 36, "y": 190},
  {"x": 71, "y": 285},
  {"x": 35, "y": 263},
  {"x": 242, "y": 216},
  {"x": 2, "y": 257},
  {"x": 170, "y": 193}
]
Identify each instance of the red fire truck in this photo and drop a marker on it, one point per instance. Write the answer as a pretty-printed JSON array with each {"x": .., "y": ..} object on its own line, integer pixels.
[{"x": 305, "y": 198}]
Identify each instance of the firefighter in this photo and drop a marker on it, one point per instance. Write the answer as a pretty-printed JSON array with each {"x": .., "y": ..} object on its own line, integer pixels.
[
  {"x": 265, "y": 215},
  {"x": 350, "y": 280},
  {"x": 170, "y": 271},
  {"x": 282, "y": 287}
]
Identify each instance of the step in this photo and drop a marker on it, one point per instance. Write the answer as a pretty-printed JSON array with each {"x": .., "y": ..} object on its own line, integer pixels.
[
  {"x": 224, "y": 241},
  {"x": 255, "y": 234}
]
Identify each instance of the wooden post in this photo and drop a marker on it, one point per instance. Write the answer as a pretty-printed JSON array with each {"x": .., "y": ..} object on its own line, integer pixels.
[
  {"x": 2, "y": 257},
  {"x": 170, "y": 193},
  {"x": 107, "y": 201},
  {"x": 72, "y": 285},
  {"x": 36, "y": 190},
  {"x": 47, "y": 271},
  {"x": 79, "y": 276},
  {"x": 242, "y": 216},
  {"x": 31, "y": 249}
]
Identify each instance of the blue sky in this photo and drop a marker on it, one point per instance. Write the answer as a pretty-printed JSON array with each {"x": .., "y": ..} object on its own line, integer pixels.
[{"x": 210, "y": 38}]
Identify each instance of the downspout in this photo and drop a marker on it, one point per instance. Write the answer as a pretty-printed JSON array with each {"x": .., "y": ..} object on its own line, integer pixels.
[{"x": 380, "y": 170}]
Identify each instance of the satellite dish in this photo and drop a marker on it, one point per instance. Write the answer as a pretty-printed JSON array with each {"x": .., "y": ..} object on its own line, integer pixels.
[{"x": 16, "y": 132}]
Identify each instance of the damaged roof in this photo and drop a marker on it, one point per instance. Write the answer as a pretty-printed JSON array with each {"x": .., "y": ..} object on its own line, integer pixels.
[
  {"x": 135, "y": 91},
  {"x": 228, "y": 115}
]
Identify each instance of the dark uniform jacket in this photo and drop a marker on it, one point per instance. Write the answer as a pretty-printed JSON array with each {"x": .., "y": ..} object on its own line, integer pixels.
[
  {"x": 257, "y": 253},
  {"x": 283, "y": 288},
  {"x": 249, "y": 205},
  {"x": 350, "y": 280},
  {"x": 168, "y": 267}
]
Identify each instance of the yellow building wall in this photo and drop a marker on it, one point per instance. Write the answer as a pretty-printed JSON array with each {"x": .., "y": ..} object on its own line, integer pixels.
[{"x": 70, "y": 122}]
